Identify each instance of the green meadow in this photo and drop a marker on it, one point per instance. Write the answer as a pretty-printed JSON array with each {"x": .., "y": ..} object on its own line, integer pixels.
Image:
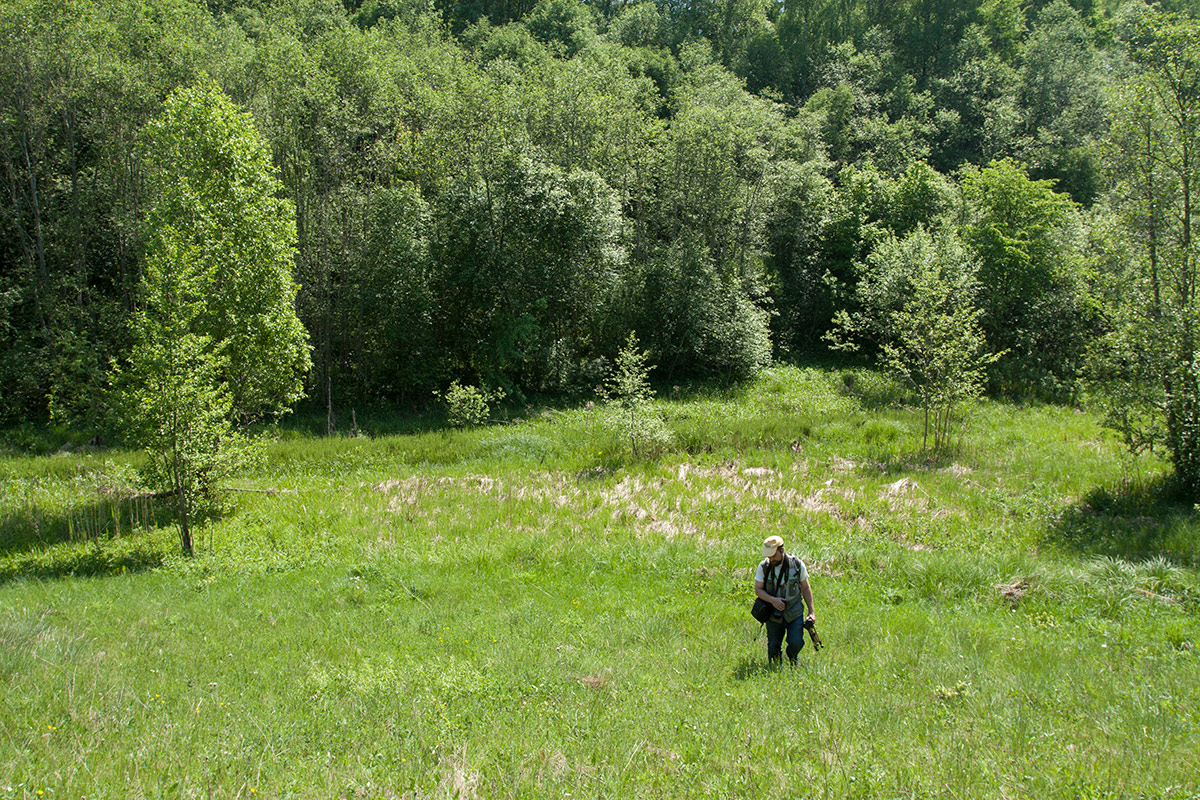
[{"x": 528, "y": 610}]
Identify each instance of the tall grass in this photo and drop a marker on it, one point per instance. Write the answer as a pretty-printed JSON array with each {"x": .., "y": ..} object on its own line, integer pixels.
[{"x": 525, "y": 610}]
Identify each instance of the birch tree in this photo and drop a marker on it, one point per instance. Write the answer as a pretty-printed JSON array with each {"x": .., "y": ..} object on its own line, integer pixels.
[{"x": 217, "y": 344}]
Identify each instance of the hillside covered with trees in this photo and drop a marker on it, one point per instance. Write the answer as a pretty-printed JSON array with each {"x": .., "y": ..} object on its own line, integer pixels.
[
  {"x": 499, "y": 191},
  {"x": 880, "y": 277}
]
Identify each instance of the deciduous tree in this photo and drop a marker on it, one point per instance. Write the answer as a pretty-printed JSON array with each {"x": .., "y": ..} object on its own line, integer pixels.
[
  {"x": 1034, "y": 305},
  {"x": 938, "y": 347},
  {"x": 1151, "y": 362},
  {"x": 217, "y": 343},
  {"x": 916, "y": 303}
]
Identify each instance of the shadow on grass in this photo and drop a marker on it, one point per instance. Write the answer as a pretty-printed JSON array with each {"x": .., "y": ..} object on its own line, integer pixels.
[
  {"x": 1135, "y": 522},
  {"x": 910, "y": 462},
  {"x": 97, "y": 559},
  {"x": 106, "y": 537},
  {"x": 311, "y": 422},
  {"x": 874, "y": 392},
  {"x": 107, "y": 516},
  {"x": 749, "y": 668},
  {"x": 43, "y": 439}
]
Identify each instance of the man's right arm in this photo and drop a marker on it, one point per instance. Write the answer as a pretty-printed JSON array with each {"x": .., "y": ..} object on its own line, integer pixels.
[{"x": 775, "y": 602}]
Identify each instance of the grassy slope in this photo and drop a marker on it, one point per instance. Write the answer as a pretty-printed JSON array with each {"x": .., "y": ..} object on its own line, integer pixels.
[{"x": 518, "y": 611}]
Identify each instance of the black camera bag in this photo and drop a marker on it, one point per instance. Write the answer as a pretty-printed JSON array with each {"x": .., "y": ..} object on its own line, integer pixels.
[{"x": 761, "y": 610}]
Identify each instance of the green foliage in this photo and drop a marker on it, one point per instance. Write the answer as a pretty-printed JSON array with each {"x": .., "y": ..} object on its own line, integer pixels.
[
  {"x": 512, "y": 42},
  {"x": 801, "y": 234},
  {"x": 1003, "y": 21},
  {"x": 216, "y": 340},
  {"x": 698, "y": 292},
  {"x": 938, "y": 345},
  {"x": 915, "y": 302},
  {"x": 629, "y": 395},
  {"x": 696, "y": 319},
  {"x": 468, "y": 406},
  {"x": 1062, "y": 98},
  {"x": 977, "y": 115},
  {"x": 173, "y": 397},
  {"x": 526, "y": 258},
  {"x": 1148, "y": 366},
  {"x": 565, "y": 25},
  {"x": 214, "y": 216},
  {"x": 884, "y": 284},
  {"x": 921, "y": 196},
  {"x": 928, "y": 31},
  {"x": 392, "y": 333},
  {"x": 1035, "y": 305},
  {"x": 745, "y": 155},
  {"x": 639, "y": 25}
]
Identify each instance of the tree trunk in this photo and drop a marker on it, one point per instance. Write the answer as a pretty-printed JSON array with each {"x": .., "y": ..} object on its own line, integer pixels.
[{"x": 185, "y": 527}]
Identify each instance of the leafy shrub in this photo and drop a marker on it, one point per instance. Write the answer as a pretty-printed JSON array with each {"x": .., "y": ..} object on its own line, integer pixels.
[
  {"x": 629, "y": 394},
  {"x": 467, "y": 406},
  {"x": 698, "y": 319}
]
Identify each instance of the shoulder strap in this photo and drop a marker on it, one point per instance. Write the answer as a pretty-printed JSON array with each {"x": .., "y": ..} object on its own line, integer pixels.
[
  {"x": 769, "y": 578},
  {"x": 794, "y": 561}
]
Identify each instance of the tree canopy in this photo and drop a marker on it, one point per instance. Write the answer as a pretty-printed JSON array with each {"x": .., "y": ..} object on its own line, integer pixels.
[
  {"x": 216, "y": 340},
  {"x": 499, "y": 192}
]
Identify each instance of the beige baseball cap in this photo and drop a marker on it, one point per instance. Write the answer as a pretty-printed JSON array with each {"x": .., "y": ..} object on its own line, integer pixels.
[{"x": 772, "y": 544}]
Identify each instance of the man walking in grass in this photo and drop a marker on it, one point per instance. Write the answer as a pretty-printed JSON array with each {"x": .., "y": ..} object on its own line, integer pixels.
[{"x": 782, "y": 582}]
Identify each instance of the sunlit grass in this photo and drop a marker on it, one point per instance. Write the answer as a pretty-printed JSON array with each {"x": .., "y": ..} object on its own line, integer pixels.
[{"x": 525, "y": 610}]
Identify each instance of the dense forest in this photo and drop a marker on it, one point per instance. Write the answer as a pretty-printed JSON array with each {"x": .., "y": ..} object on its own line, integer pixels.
[{"x": 500, "y": 191}]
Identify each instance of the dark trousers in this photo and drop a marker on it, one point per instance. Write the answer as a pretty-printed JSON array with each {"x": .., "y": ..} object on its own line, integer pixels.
[{"x": 795, "y": 639}]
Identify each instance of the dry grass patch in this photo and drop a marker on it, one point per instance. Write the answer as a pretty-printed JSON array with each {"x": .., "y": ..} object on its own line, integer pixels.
[{"x": 1014, "y": 592}]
